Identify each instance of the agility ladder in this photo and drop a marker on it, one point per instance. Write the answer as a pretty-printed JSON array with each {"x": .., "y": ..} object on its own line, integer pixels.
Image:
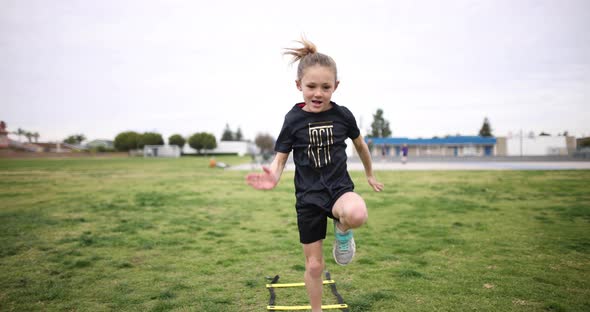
[{"x": 273, "y": 284}]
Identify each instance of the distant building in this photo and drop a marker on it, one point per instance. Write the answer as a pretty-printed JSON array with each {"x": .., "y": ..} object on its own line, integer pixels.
[
  {"x": 239, "y": 148},
  {"x": 462, "y": 146},
  {"x": 456, "y": 146},
  {"x": 58, "y": 147},
  {"x": 161, "y": 151},
  {"x": 583, "y": 143},
  {"x": 107, "y": 144},
  {"x": 532, "y": 145},
  {"x": 582, "y": 148}
]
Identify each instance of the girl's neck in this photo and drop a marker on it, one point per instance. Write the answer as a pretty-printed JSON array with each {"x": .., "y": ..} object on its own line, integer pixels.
[{"x": 305, "y": 108}]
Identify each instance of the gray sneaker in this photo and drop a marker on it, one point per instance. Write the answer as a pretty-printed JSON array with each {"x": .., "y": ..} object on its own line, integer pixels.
[{"x": 344, "y": 246}]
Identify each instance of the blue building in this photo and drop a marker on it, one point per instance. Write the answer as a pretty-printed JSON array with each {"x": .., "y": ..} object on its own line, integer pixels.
[{"x": 457, "y": 146}]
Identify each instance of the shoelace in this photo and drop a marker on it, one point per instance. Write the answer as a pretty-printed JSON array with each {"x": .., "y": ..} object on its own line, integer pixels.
[{"x": 343, "y": 241}]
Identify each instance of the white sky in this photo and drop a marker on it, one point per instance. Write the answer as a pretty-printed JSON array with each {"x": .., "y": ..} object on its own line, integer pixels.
[{"x": 434, "y": 67}]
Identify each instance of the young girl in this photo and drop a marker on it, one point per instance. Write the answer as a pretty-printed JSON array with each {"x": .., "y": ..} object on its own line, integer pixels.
[{"x": 316, "y": 130}]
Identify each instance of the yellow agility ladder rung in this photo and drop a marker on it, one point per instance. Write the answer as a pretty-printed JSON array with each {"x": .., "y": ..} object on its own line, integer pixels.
[
  {"x": 307, "y": 307},
  {"x": 326, "y": 282}
]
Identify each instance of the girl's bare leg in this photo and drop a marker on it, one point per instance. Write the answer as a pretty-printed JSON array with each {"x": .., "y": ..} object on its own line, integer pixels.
[{"x": 314, "y": 267}]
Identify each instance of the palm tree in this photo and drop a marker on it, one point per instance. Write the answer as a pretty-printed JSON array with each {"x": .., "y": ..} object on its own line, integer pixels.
[
  {"x": 36, "y": 136},
  {"x": 19, "y": 132},
  {"x": 29, "y": 136}
]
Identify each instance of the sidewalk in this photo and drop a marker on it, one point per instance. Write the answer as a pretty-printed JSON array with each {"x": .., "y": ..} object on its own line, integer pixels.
[{"x": 474, "y": 165}]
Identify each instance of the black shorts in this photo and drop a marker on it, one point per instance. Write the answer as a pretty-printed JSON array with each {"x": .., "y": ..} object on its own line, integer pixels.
[{"x": 313, "y": 211}]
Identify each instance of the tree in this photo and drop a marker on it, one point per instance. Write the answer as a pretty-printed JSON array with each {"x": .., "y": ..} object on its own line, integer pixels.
[
  {"x": 19, "y": 132},
  {"x": 176, "y": 139},
  {"x": 239, "y": 136},
  {"x": 127, "y": 140},
  {"x": 543, "y": 133},
  {"x": 227, "y": 135},
  {"x": 380, "y": 126},
  {"x": 29, "y": 136},
  {"x": 75, "y": 139},
  {"x": 265, "y": 142},
  {"x": 150, "y": 138},
  {"x": 486, "y": 129},
  {"x": 70, "y": 140},
  {"x": 36, "y": 136},
  {"x": 80, "y": 138},
  {"x": 202, "y": 140}
]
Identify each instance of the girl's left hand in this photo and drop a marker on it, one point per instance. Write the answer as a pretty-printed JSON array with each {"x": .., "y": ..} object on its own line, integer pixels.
[{"x": 376, "y": 185}]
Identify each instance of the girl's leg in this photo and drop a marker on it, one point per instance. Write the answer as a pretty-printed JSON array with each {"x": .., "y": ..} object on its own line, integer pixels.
[
  {"x": 314, "y": 267},
  {"x": 351, "y": 211}
]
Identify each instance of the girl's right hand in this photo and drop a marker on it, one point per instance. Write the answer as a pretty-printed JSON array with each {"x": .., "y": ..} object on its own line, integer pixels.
[
  {"x": 376, "y": 185},
  {"x": 262, "y": 181}
]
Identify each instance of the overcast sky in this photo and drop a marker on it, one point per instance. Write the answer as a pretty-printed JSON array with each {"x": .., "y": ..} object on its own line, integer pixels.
[{"x": 185, "y": 66}]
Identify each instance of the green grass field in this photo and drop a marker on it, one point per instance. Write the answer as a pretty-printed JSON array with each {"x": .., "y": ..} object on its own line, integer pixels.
[{"x": 175, "y": 235}]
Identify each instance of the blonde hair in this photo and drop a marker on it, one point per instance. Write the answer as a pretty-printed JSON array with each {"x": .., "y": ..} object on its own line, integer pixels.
[{"x": 308, "y": 56}]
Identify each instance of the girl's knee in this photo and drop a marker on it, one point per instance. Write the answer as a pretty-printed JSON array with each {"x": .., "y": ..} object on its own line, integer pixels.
[
  {"x": 351, "y": 209},
  {"x": 314, "y": 267},
  {"x": 357, "y": 217}
]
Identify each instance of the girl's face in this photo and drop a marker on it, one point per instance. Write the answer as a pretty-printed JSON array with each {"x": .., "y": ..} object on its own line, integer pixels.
[{"x": 317, "y": 85}]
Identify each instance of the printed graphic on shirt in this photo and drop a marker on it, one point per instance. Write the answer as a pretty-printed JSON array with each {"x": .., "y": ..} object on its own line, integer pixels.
[{"x": 321, "y": 139}]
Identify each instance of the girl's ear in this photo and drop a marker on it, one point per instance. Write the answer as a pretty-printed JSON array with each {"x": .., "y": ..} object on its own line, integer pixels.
[
  {"x": 298, "y": 83},
  {"x": 336, "y": 85}
]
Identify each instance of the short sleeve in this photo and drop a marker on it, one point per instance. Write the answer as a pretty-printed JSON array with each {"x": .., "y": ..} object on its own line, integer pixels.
[
  {"x": 284, "y": 143},
  {"x": 353, "y": 130}
]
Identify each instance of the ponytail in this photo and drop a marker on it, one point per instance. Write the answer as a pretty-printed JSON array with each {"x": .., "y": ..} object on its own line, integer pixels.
[
  {"x": 300, "y": 53},
  {"x": 308, "y": 56}
]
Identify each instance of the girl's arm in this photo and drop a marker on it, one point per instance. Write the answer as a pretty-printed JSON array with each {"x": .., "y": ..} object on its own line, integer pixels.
[
  {"x": 363, "y": 151},
  {"x": 270, "y": 177}
]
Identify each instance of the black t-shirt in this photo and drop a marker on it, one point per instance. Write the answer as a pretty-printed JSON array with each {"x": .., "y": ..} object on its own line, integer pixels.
[{"x": 319, "y": 149}]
